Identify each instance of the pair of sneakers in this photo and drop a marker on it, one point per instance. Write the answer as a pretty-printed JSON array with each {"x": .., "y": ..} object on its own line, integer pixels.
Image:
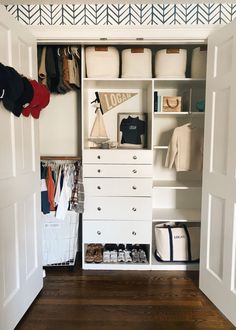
[
  {"x": 114, "y": 253},
  {"x": 110, "y": 253},
  {"x": 124, "y": 254},
  {"x": 138, "y": 254}
]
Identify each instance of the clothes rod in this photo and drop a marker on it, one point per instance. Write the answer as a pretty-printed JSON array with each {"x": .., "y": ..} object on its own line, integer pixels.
[{"x": 60, "y": 158}]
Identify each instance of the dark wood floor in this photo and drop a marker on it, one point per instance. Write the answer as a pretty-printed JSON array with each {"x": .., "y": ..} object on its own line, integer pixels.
[{"x": 126, "y": 300}]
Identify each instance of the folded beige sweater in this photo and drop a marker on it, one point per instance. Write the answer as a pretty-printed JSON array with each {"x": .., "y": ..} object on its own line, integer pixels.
[{"x": 185, "y": 149}]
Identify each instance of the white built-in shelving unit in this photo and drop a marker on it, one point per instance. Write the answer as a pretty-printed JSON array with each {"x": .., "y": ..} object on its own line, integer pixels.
[{"x": 129, "y": 214}]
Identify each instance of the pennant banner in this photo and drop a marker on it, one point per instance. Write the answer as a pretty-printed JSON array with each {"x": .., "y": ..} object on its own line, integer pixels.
[{"x": 109, "y": 101}]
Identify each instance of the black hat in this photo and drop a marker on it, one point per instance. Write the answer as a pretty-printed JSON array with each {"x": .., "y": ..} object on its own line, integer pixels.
[
  {"x": 2, "y": 80},
  {"x": 14, "y": 88},
  {"x": 25, "y": 98}
]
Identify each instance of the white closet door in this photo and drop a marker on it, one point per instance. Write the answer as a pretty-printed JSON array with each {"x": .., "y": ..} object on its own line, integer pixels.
[
  {"x": 20, "y": 243},
  {"x": 218, "y": 230}
]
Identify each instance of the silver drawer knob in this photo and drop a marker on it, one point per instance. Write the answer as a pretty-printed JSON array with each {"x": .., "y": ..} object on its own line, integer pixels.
[
  {"x": 134, "y": 187},
  {"x": 134, "y": 171},
  {"x": 98, "y": 232},
  {"x": 99, "y": 171},
  {"x": 99, "y": 208},
  {"x": 134, "y": 209},
  {"x": 99, "y": 187},
  {"x": 134, "y": 157},
  {"x": 134, "y": 233},
  {"x": 98, "y": 157}
]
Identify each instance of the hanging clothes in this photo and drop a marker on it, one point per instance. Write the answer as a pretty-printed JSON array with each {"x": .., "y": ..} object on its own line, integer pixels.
[
  {"x": 77, "y": 196},
  {"x": 65, "y": 193},
  {"x": 64, "y": 197},
  {"x": 42, "y": 66},
  {"x": 50, "y": 188},
  {"x": 185, "y": 149},
  {"x": 59, "y": 68},
  {"x": 45, "y": 205}
]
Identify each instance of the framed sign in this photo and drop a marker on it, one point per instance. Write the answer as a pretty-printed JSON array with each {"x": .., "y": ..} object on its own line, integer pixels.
[{"x": 132, "y": 130}]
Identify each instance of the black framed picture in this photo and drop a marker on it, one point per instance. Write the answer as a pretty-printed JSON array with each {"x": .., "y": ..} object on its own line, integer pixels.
[{"x": 132, "y": 130}]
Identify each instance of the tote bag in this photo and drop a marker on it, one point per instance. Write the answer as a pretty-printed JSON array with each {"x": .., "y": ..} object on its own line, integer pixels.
[{"x": 177, "y": 242}]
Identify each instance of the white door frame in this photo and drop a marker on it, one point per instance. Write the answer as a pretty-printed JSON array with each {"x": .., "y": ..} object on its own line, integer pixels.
[{"x": 122, "y": 34}]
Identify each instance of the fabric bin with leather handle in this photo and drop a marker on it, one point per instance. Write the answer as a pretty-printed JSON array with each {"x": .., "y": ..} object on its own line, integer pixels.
[
  {"x": 170, "y": 63},
  {"x": 177, "y": 242},
  {"x": 198, "y": 63},
  {"x": 136, "y": 63},
  {"x": 102, "y": 62}
]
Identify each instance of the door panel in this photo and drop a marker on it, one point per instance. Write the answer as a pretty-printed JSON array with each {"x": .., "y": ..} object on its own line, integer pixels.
[
  {"x": 218, "y": 232},
  {"x": 220, "y": 113},
  {"x": 10, "y": 261},
  {"x": 224, "y": 50},
  {"x": 216, "y": 235},
  {"x": 24, "y": 142},
  {"x": 6, "y": 148},
  {"x": 20, "y": 229}
]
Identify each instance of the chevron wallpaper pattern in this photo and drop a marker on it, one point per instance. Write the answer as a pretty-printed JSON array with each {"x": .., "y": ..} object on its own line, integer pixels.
[{"x": 124, "y": 14}]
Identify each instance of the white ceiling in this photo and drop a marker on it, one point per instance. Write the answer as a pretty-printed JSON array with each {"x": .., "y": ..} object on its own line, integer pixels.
[{"x": 37, "y": 2}]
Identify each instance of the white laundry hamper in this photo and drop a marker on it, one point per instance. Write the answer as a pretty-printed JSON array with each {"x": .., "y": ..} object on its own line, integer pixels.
[
  {"x": 170, "y": 63},
  {"x": 60, "y": 239},
  {"x": 198, "y": 63},
  {"x": 136, "y": 63},
  {"x": 102, "y": 62}
]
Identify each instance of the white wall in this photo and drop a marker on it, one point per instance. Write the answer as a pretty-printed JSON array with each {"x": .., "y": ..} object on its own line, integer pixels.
[{"x": 59, "y": 126}]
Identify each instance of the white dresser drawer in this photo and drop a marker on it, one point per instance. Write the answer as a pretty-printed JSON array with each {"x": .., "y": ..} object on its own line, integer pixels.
[
  {"x": 117, "y": 171},
  {"x": 118, "y": 208},
  {"x": 117, "y": 232},
  {"x": 117, "y": 156},
  {"x": 117, "y": 187}
]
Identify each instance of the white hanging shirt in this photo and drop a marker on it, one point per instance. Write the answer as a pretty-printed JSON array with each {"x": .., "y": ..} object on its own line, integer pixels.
[{"x": 185, "y": 149}]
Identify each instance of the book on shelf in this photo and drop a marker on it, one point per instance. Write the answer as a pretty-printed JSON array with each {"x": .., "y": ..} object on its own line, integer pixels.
[{"x": 157, "y": 102}]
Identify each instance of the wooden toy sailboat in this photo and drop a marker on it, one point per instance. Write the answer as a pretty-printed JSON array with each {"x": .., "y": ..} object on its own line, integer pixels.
[{"x": 98, "y": 133}]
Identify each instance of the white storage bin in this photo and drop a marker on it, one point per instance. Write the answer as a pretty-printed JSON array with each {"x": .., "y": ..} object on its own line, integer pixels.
[
  {"x": 198, "y": 63},
  {"x": 136, "y": 63},
  {"x": 170, "y": 63},
  {"x": 102, "y": 62}
]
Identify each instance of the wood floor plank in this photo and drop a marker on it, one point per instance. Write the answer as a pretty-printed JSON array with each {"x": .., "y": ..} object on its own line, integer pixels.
[{"x": 105, "y": 300}]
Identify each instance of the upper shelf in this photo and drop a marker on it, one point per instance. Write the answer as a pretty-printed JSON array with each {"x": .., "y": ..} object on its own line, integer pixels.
[
  {"x": 181, "y": 113},
  {"x": 116, "y": 83},
  {"x": 180, "y": 215},
  {"x": 172, "y": 184},
  {"x": 137, "y": 82}
]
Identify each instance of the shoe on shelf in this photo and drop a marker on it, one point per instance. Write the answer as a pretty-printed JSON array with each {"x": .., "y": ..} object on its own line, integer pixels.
[
  {"x": 127, "y": 255},
  {"x": 121, "y": 253},
  {"x": 89, "y": 255},
  {"x": 135, "y": 254},
  {"x": 142, "y": 256},
  {"x": 113, "y": 253},
  {"x": 106, "y": 253},
  {"x": 98, "y": 253}
]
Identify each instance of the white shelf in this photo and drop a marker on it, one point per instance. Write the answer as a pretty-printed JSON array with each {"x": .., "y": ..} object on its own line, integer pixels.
[
  {"x": 169, "y": 184},
  {"x": 161, "y": 83},
  {"x": 173, "y": 265},
  {"x": 182, "y": 113},
  {"x": 180, "y": 215},
  {"x": 117, "y": 83},
  {"x": 117, "y": 266}
]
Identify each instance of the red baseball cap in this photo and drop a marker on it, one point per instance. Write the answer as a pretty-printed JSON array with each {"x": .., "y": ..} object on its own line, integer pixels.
[{"x": 40, "y": 100}]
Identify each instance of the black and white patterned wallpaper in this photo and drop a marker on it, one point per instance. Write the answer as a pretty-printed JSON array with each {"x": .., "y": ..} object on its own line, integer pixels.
[{"x": 124, "y": 14}]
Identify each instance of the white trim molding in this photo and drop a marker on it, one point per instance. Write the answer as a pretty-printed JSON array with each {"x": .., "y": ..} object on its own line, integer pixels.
[{"x": 122, "y": 34}]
